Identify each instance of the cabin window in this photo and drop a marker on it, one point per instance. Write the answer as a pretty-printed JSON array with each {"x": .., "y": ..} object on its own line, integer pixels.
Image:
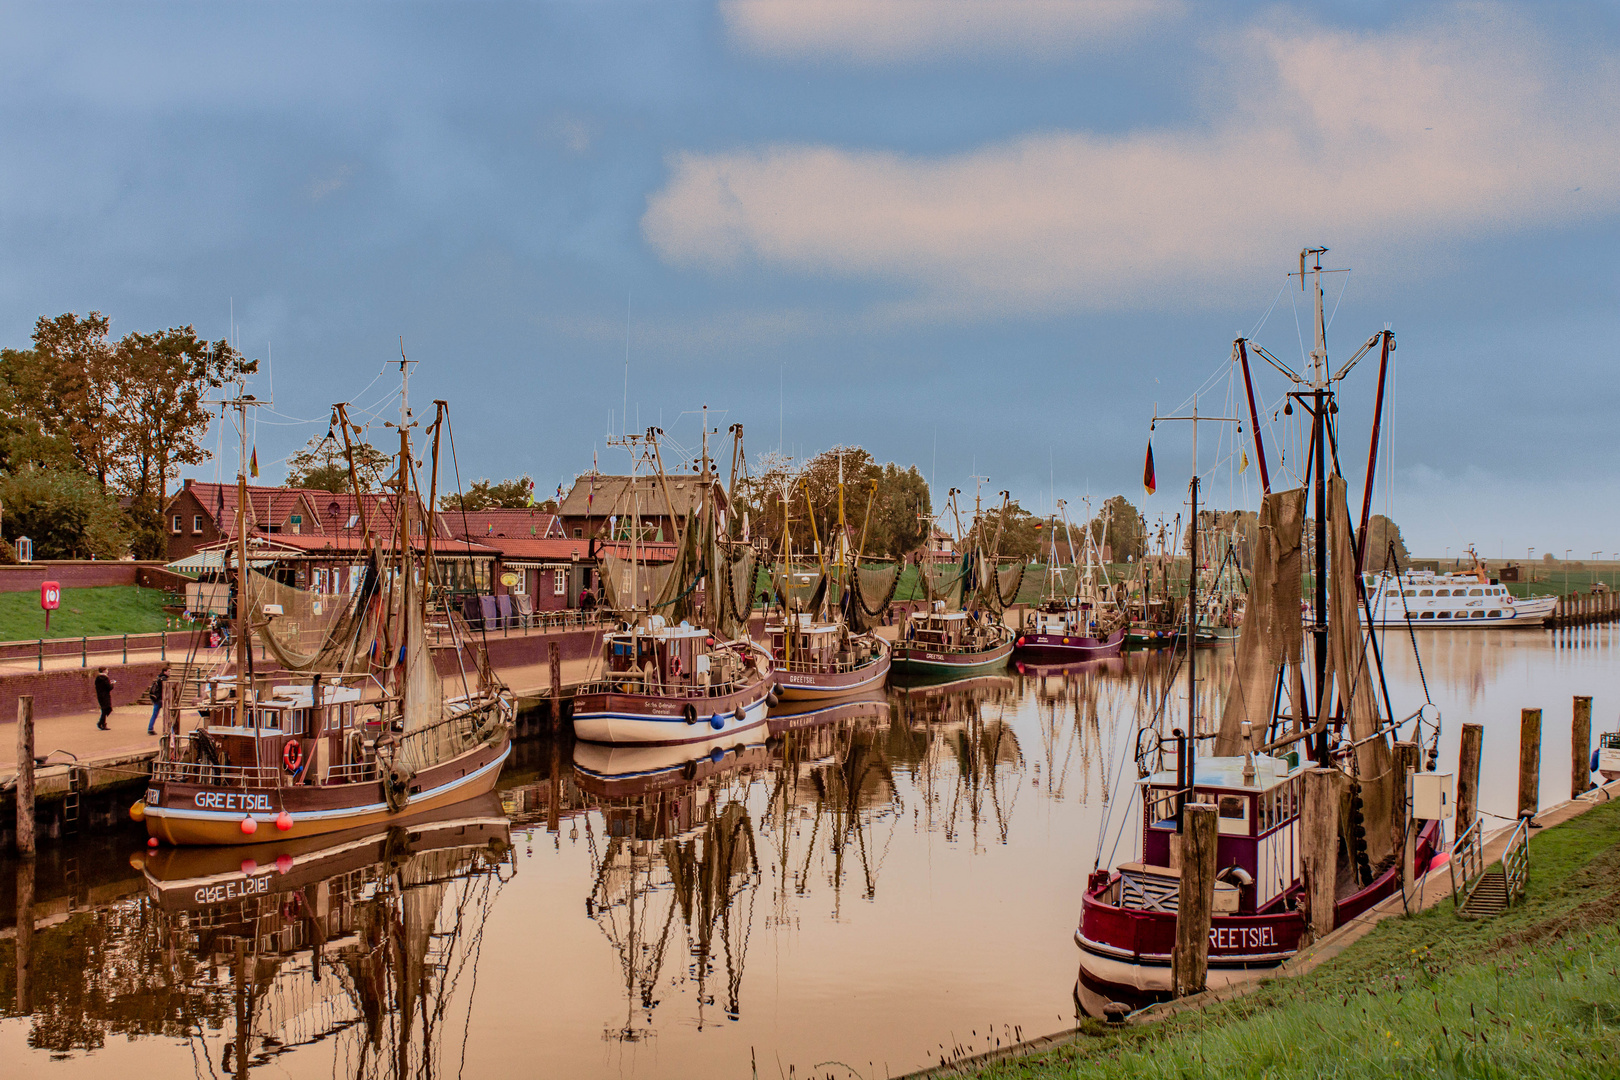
[
  {"x": 270, "y": 718},
  {"x": 1426, "y": 615},
  {"x": 1234, "y": 807},
  {"x": 299, "y": 717},
  {"x": 1477, "y": 615},
  {"x": 559, "y": 582},
  {"x": 1495, "y": 614},
  {"x": 1445, "y": 615},
  {"x": 1442, "y": 592},
  {"x": 1410, "y": 592},
  {"x": 1426, "y": 592},
  {"x": 1476, "y": 592}
]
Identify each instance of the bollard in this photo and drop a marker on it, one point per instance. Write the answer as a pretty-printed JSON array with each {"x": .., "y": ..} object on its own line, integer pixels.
[
  {"x": 1319, "y": 820},
  {"x": 1529, "y": 762},
  {"x": 84, "y": 652},
  {"x": 1580, "y": 746},
  {"x": 1196, "y": 900},
  {"x": 41, "y": 654},
  {"x": 1473, "y": 736},
  {"x": 25, "y": 775},
  {"x": 126, "y": 648}
]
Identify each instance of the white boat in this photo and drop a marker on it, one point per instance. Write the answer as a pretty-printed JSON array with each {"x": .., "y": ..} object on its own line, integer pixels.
[{"x": 1455, "y": 601}]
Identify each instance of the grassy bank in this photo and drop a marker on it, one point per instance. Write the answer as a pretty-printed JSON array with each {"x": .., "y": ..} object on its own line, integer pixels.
[
  {"x": 106, "y": 609},
  {"x": 1533, "y": 992}
]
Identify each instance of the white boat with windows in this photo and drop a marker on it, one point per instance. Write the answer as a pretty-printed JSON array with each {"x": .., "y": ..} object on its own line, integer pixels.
[{"x": 1456, "y": 601}]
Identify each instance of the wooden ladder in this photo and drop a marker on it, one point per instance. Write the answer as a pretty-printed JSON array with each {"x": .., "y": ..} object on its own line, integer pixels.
[{"x": 1489, "y": 896}]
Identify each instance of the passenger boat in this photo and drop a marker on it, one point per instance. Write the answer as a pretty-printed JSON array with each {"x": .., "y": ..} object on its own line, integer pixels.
[
  {"x": 1270, "y": 735},
  {"x": 680, "y": 667},
  {"x": 355, "y": 730},
  {"x": 1466, "y": 600},
  {"x": 1606, "y": 758}
]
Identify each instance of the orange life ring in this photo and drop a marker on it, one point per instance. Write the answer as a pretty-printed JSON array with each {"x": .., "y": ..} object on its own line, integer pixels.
[{"x": 292, "y": 755}]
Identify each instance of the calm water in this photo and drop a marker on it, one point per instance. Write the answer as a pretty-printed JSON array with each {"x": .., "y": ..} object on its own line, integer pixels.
[{"x": 867, "y": 891}]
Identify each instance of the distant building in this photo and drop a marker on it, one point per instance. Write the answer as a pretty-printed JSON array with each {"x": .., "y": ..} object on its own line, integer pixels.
[
  {"x": 941, "y": 546},
  {"x": 608, "y": 507}
]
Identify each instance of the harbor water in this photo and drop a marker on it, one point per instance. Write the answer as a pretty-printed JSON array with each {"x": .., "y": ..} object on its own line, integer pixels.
[{"x": 872, "y": 889}]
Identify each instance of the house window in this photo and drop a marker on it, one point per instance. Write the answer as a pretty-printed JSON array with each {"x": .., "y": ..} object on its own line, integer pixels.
[
  {"x": 579, "y": 534},
  {"x": 559, "y": 582},
  {"x": 177, "y": 529},
  {"x": 196, "y": 524}
]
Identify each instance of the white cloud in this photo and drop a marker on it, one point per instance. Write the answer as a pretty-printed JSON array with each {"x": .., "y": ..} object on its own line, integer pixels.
[
  {"x": 1391, "y": 142},
  {"x": 885, "y": 31}
]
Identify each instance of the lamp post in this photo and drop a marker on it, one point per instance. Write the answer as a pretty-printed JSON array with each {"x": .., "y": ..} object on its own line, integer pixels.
[{"x": 1566, "y": 569}]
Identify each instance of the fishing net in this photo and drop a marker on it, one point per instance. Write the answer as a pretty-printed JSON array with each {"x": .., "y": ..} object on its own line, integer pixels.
[
  {"x": 626, "y": 586},
  {"x": 943, "y": 582},
  {"x": 798, "y": 596},
  {"x": 316, "y": 631},
  {"x": 868, "y": 598},
  {"x": 1271, "y": 622}
]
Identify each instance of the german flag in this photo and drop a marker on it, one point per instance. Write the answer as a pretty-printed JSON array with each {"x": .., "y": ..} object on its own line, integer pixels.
[{"x": 1148, "y": 480}]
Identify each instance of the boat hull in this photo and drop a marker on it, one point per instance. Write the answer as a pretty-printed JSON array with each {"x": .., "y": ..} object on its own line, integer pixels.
[
  {"x": 828, "y": 685},
  {"x": 1071, "y": 648},
  {"x": 186, "y": 813},
  {"x": 1532, "y": 612},
  {"x": 1148, "y": 637},
  {"x": 656, "y": 720},
  {"x": 918, "y": 661}
]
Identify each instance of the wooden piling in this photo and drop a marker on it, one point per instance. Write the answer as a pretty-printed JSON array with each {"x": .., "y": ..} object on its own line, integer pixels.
[
  {"x": 1529, "y": 761},
  {"x": 1473, "y": 738},
  {"x": 1195, "y": 903},
  {"x": 25, "y": 776},
  {"x": 25, "y": 936},
  {"x": 554, "y": 658},
  {"x": 1320, "y": 848},
  {"x": 1580, "y": 746}
]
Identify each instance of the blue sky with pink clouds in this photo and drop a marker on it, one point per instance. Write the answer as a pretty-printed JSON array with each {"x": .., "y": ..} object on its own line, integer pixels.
[{"x": 973, "y": 235}]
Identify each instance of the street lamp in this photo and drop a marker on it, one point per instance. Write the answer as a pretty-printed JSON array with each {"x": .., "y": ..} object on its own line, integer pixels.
[{"x": 1566, "y": 569}]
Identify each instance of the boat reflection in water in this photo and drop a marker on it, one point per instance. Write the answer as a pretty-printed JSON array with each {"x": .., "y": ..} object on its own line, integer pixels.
[
  {"x": 353, "y": 940},
  {"x": 968, "y": 761}
]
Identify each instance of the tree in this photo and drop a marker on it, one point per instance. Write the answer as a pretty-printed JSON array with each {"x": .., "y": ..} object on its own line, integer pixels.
[
  {"x": 1120, "y": 528},
  {"x": 897, "y": 496},
  {"x": 1382, "y": 534},
  {"x": 1018, "y": 531},
  {"x": 323, "y": 466},
  {"x": 65, "y": 513},
  {"x": 517, "y": 493},
  {"x": 66, "y": 385}
]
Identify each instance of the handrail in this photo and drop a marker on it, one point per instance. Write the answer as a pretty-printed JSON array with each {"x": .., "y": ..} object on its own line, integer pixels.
[
  {"x": 1516, "y": 860},
  {"x": 1467, "y": 855}
]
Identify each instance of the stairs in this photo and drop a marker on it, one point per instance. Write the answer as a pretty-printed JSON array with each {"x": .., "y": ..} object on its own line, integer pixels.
[{"x": 1489, "y": 896}]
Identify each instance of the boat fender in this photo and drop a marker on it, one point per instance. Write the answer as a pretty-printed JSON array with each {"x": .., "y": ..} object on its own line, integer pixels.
[
  {"x": 740, "y": 713},
  {"x": 292, "y": 755},
  {"x": 718, "y": 721},
  {"x": 1235, "y": 875},
  {"x": 689, "y": 713},
  {"x": 1020, "y": 643},
  {"x": 772, "y": 701},
  {"x": 716, "y": 756},
  {"x": 1594, "y": 762}
]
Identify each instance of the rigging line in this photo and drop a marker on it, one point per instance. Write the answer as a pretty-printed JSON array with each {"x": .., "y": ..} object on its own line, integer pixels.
[
  {"x": 461, "y": 496},
  {"x": 1267, "y": 315},
  {"x": 1342, "y": 286},
  {"x": 1299, "y": 331}
]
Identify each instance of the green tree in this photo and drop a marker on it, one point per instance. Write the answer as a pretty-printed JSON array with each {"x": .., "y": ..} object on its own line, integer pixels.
[
  {"x": 1020, "y": 533},
  {"x": 488, "y": 495},
  {"x": 1382, "y": 535},
  {"x": 66, "y": 386},
  {"x": 65, "y": 513},
  {"x": 322, "y": 465},
  {"x": 1120, "y": 528}
]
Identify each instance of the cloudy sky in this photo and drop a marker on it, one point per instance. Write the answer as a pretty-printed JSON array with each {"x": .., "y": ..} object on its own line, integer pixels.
[{"x": 978, "y": 236}]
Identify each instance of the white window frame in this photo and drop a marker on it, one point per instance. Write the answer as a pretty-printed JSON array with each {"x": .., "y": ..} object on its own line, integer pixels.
[
  {"x": 559, "y": 582},
  {"x": 196, "y": 524},
  {"x": 179, "y": 522}
]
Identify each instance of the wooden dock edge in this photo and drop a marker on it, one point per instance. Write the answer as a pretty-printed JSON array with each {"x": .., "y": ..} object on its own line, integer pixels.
[{"x": 1431, "y": 889}]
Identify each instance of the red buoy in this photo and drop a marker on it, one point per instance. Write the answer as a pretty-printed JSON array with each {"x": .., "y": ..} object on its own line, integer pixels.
[
  {"x": 151, "y": 841},
  {"x": 249, "y": 826},
  {"x": 284, "y": 821}
]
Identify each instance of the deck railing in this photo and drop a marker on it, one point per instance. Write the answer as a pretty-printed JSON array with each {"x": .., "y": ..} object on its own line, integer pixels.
[{"x": 1516, "y": 860}]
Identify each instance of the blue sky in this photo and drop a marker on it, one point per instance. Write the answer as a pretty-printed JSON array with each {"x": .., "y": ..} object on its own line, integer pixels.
[{"x": 967, "y": 234}]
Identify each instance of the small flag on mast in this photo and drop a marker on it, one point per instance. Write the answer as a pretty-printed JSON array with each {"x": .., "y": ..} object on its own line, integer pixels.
[
  {"x": 1148, "y": 480},
  {"x": 253, "y": 463},
  {"x": 1243, "y": 463}
]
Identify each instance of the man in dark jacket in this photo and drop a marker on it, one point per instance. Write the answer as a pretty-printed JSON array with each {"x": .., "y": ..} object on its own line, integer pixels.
[
  {"x": 157, "y": 699},
  {"x": 104, "y": 689}
]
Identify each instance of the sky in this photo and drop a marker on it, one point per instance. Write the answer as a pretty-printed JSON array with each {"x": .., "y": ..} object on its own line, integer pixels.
[{"x": 983, "y": 237}]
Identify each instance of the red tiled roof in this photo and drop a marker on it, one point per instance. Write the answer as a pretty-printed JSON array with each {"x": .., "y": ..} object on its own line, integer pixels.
[
  {"x": 524, "y": 522},
  {"x": 531, "y": 549}
]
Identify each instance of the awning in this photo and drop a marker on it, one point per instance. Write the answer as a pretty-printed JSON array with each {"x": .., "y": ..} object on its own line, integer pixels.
[
  {"x": 529, "y": 564},
  {"x": 204, "y": 562}
]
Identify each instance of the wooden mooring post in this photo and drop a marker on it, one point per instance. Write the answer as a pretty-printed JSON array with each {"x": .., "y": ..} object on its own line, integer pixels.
[
  {"x": 1195, "y": 903},
  {"x": 1529, "y": 762},
  {"x": 1473, "y": 740},
  {"x": 25, "y": 936},
  {"x": 554, "y": 658},
  {"x": 1320, "y": 848},
  {"x": 1580, "y": 746},
  {"x": 25, "y": 776},
  {"x": 1407, "y": 757}
]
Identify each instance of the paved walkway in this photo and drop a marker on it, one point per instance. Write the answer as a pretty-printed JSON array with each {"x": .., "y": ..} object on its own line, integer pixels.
[{"x": 77, "y": 734}]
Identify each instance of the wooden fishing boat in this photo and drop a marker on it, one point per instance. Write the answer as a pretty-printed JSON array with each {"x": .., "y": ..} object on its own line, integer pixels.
[
  {"x": 952, "y": 645},
  {"x": 680, "y": 669},
  {"x": 357, "y": 730},
  {"x": 818, "y": 660},
  {"x": 1273, "y": 739},
  {"x": 1069, "y": 634}
]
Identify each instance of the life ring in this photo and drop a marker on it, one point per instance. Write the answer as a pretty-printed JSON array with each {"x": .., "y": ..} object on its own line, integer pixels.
[
  {"x": 292, "y": 756},
  {"x": 293, "y": 907},
  {"x": 689, "y": 713},
  {"x": 674, "y": 665}
]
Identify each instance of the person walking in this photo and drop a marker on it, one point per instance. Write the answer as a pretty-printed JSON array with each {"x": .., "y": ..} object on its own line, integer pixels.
[
  {"x": 104, "y": 689},
  {"x": 158, "y": 685}
]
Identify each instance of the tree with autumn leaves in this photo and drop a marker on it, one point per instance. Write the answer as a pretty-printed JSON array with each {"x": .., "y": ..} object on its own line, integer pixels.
[
  {"x": 898, "y": 498},
  {"x": 123, "y": 415}
]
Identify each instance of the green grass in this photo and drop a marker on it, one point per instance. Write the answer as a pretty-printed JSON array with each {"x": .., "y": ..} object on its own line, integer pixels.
[
  {"x": 1533, "y": 992},
  {"x": 106, "y": 609}
]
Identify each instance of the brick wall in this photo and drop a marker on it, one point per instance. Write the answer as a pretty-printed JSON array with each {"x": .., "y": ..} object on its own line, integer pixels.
[
  {"x": 26, "y": 577},
  {"x": 59, "y": 693}
]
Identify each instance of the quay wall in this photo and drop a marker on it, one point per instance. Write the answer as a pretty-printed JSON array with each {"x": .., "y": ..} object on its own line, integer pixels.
[{"x": 87, "y": 574}]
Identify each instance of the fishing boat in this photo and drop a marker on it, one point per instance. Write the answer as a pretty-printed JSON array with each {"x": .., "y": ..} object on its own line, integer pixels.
[
  {"x": 1606, "y": 758},
  {"x": 821, "y": 650},
  {"x": 354, "y": 726},
  {"x": 1465, "y": 600},
  {"x": 960, "y": 633},
  {"x": 1155, "y": 617},
  {"x": 680, "y": 667},
  {"x": 1078, "y": 621},
  {"x": 1272, "y": 733}
]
